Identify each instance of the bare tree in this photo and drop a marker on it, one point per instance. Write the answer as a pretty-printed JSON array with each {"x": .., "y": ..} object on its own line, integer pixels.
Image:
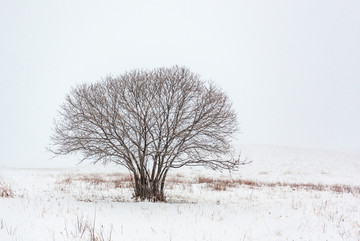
[{"x": 149, "y": 122}]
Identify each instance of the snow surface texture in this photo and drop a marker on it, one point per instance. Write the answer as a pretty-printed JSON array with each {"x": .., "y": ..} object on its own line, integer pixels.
[{"x": 87, "y": 202}]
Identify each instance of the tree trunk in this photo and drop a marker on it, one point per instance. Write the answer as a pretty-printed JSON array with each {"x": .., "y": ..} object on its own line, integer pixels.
[{"x": 151, "y": 190}]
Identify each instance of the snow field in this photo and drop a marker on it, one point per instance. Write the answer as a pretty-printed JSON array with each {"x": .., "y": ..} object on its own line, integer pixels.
[{"x": 86, "y": 202}]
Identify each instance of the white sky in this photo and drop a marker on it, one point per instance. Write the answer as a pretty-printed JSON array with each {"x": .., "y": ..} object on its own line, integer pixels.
[{"x": 290, "y": 67}]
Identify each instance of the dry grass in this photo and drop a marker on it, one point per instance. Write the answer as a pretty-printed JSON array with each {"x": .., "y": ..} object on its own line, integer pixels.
[
  {"x": 176, "y": 180},
  {"x": 86, "y": 230},
  {"x": 112, "y": 180},
  {"x": 206, "y": 180},
  {"x": 222, "y": 185},
  {"x": 9, "y": 230},
  {"x": 6, "y": 190},
  {"x": 120, "y": 180}
]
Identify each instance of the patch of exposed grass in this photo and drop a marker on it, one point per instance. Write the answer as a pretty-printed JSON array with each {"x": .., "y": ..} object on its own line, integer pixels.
[
  {"x": 222, "y": 185},
  {"x": 112, "y": 180},
  {"x": 120, "y": 180}
]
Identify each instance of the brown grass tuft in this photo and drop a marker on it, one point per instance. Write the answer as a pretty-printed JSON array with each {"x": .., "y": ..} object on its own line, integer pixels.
[
  {"x": 205, "y": 180},
  {"x": 92, "y": 179},
  {"x": 6, "y": 190},
  {"x": 222, "y": 185}
]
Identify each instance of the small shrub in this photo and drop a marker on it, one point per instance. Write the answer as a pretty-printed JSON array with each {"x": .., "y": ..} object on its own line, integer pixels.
[{"x": 6, "y": 190}]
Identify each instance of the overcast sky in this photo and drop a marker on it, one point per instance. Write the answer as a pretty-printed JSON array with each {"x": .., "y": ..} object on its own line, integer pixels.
[{"x": 292, "y": 68}]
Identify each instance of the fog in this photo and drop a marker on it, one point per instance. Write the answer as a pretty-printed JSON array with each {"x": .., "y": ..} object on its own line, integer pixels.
[{"x": 290, "y": 68}]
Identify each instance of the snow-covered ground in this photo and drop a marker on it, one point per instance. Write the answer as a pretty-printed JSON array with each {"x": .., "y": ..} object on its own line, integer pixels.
[{"x": 86, "y": 202}]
